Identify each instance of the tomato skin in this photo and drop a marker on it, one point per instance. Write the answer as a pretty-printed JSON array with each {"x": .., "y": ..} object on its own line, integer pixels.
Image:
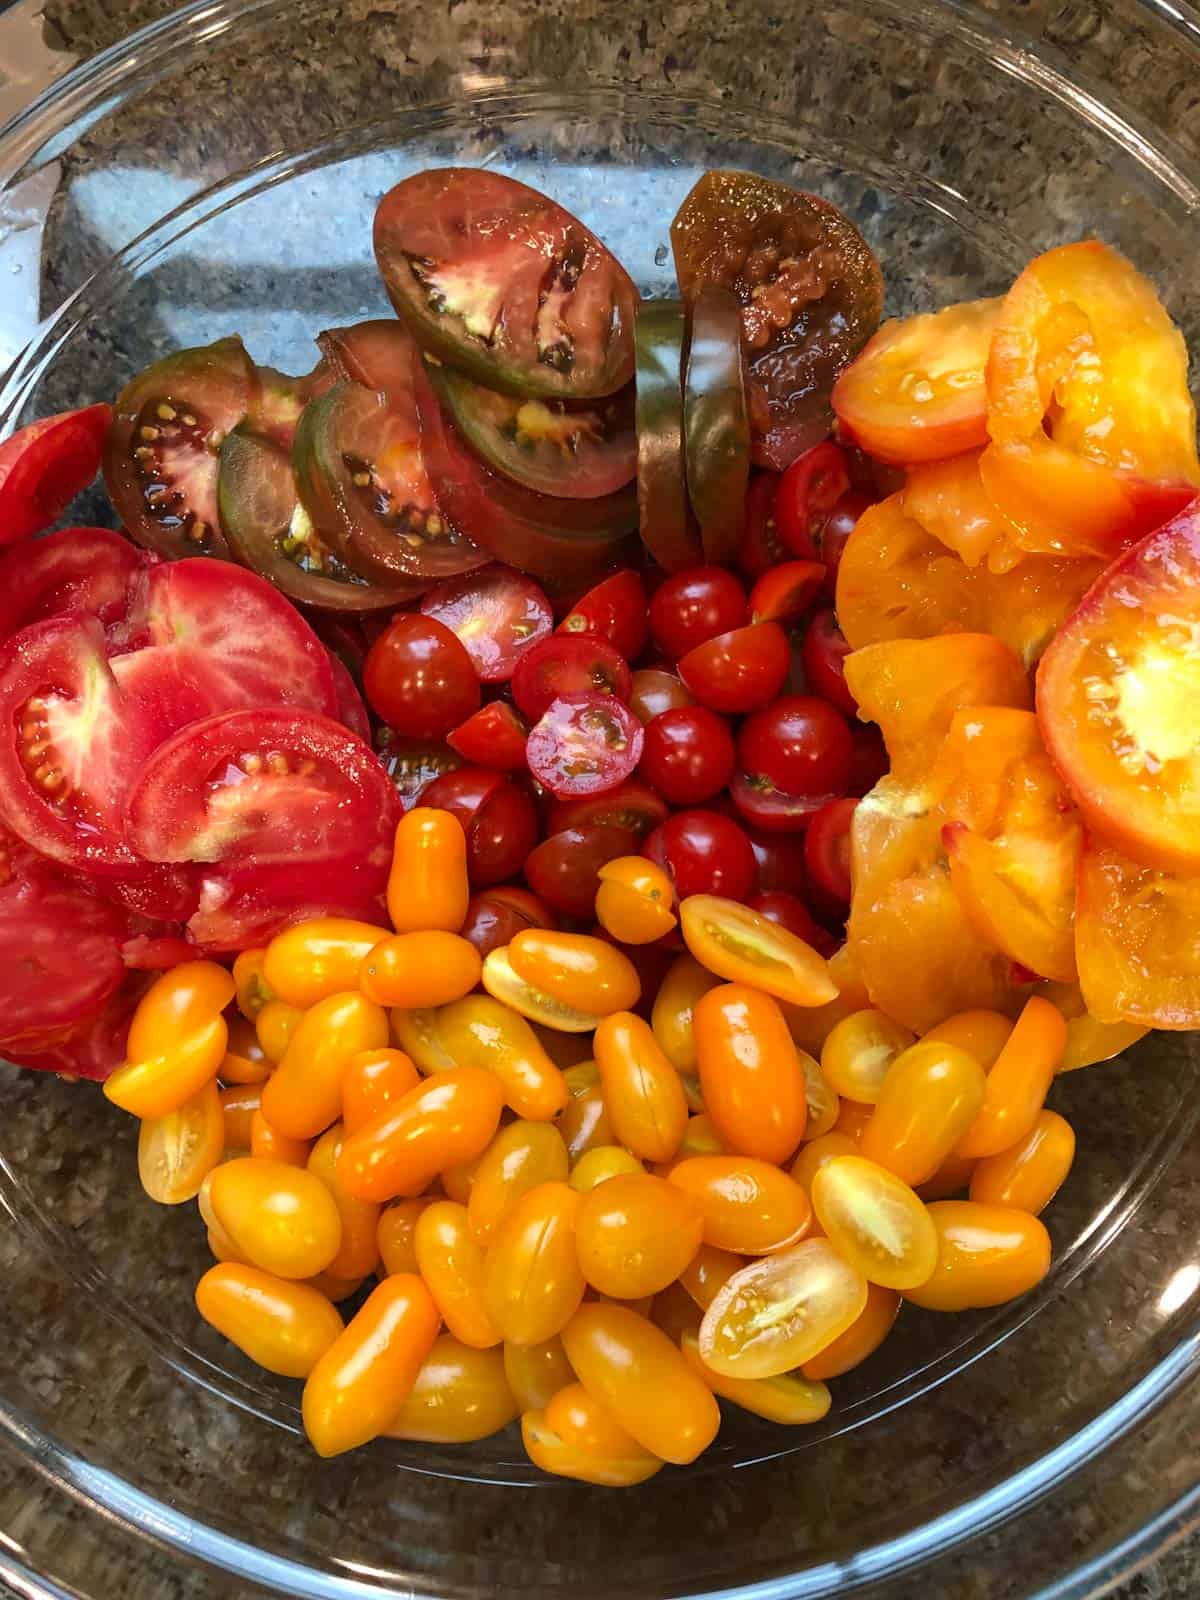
[
  {"x": 800, "y": 746},
  {"x": 748, "y": 949},
  {"x": 761, "y": 547},
  {"x": 499, "y": 820},
  {"x": 498, "y": 615},
  {"x": 446, "y": 1120},
  {"x": 750, "y": 1074},
  {"x": 688, "y": 755},
  {"x": 738, "y": 671},
  {"x": 823, "y": 653},
  {"x": 636, "y": 1234},
  {"x": 574, "y": 1436},
  {"x": 703, "y": 852},
  {"x": 495, "y": 915},
  {"x": 420, "y": 679},
  {"x": 653, "y": 691},
  {"x": 493, "y": 736},
  {"x": 827, "y": 850},
  {"x": 44, "y": 466},
  {"x": 807, "y": 493},
  {"x": 532, "y": 1279},
  {"x": 568, "y": 664},
  {"x": 643, "y": 1094},
  {"x": 693, "y": 606},
  {"x": 987, "y": 1256},
  {"x": 584, "y": 744},
  {"x": 284, "y": 1327},
  {"x": 563, "y": 870},
  {"x": 615, "y": 610}
]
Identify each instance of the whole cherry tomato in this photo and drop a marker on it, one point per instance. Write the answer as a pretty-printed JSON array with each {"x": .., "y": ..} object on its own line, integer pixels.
[
  {"x": 704, "y": 853},
  {"x": 693, "y": 606},
  {"x": 799, "y": 746},
  {"x": 419, "y": 678},
  {"x": 688, "y": 755},
  {"x": 496, "y": 914},
  {"x": 654, "y": 691},
  {"x": 824, "y": 650},
  {"x": 498, "y": 818},
  {"x": 563, "y": 870},
  {"x": 615, "y": 610},
  {"x": 808, "y": 492},
  {"x": 738, "y": 671}
]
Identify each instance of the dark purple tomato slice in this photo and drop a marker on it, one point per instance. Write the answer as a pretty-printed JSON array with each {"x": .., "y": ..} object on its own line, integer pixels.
[
  {"x": 493, "y": 737},
  {"x": 634, "y": 807},
  {"x": 161, "y": 461},
  {"x": 78, "y": 569},
  {"x": 496, "y": 279},
  {"x": 615, "y": 610},
  {"x": 413, "y": 764},
  {"x": 45, "y": 465},
  {"x": 568, "y": 664},
  {"x": 716, "y": 423},
  {"x": 577, "y": 449},
  {"x": 377, "y": 354},
  {"x": 279, "y": 400},
  {"x": 584, "y": 744},
  {"x": 810, "y": 293},
  {"x": 564, "y": 869},
  {"x": 363, "y": 478},
  {"x": 663, "y": 515},
  {"x": 260, "y": 788},
  {"x": 498, "y": 614}
]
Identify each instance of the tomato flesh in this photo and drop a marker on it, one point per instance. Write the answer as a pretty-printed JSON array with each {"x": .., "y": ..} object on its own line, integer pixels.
[
  {"x": 77, "y": 569},
  {"x": 45, "y": 465},
  {"x": 584, "y": 744},
  {"x": 568, "y": 664},
  {"x": 498, "y": 615}
]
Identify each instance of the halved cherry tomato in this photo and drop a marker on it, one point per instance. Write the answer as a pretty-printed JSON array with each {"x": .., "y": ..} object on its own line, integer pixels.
[
  {"x": 875, "y": 1222},
  {"x": 824, "y": 653},
  {"x": 827, "y": 850},
  {"x": 585, "y": 973},
  {"x": 493, "y": 736},
  {"x": 498, "y": 615},
  {"x": 567, "y": 664},
  {"x": 499, "y": 819},
  {"x": 861, "y": 1339},
  {"x": 688, "y": 755},
  {"x": 76, "y": 569},
  {"x": 584, "y": 744},
  {"x": 738, "y": 671},
  {"x": 653, "y": 691},
  {"x": 786, "y": 593},
  {"x": 615, "y": 610},
  {"x": 745, "y": 947},
  {"x": 808, "y": 492},
  {"x": 525, "y": 999},
  {"x": 634, "y": 900},
  {"x": 563, "y": 869},
  {"x": 693, "y": 606},
  {"x": 44, "y": 466}
]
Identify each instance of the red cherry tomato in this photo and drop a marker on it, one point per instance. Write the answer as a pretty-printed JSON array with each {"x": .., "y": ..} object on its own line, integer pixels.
[
  {"x": 563, "y": 870},
  {"x": 761, "y": 547},
  {"x": 688, "y": 755},
  {"x": 779, "y": 858},
  {"x": 785, "y": 593},
  {"x": 633, "y": 806},
  {"x": 419, "y": 678},
  {"x": 794, "y": 915},
  {"x": 836, "y": 529},
  {"x": 584, "y": 744},
  {"x": 799, "y": 746},
  {"x": 825, "y": 649},
  {"x": 615, "y": 610},
  {"x": 654, "y": 691},
  {"x": 705, "y": 853},
  {"x": 739, "y": 671},
  {"x": 827, "y": 851},
  {"x": 494, "y": 736},
  {"x": 498, "y": 615},
  {"x": 869, "y": 760},
  {"x": 44, "y": 466},
  {"x": 568, "y": 664},
  {"x": 413, "y": 764},
  {"x": 695, "y": 605},
  {"x": 494, "y": 916},
  {"x": 498, "y": 818},
  {"x": 808, "y": 492}
]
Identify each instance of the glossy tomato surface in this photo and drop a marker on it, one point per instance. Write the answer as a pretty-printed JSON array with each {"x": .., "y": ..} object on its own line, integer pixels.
[
  {"x": 704, "y": 853},
  {"x": 584, "y": 744},
  {"x": 419, "y": 678},
  {"x": 688, "y": 755},
  {"x": 568, "y": 664},
  {"x": 44, "y": 466},
  {"x": 695, "y": 605},
  {"x": 497, "y": 613}
]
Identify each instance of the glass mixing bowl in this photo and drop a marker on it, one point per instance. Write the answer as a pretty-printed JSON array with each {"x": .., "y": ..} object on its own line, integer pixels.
[{"x": 218, "y": 172}]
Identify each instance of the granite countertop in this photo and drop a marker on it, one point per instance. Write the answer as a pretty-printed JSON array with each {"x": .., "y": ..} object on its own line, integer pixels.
[{"x": 52, "y": 35}]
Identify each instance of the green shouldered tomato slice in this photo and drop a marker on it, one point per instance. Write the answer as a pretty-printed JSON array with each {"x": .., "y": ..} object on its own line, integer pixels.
[
  {"x": 661, "y": 479},
  {"x": 716, "y": 423}
]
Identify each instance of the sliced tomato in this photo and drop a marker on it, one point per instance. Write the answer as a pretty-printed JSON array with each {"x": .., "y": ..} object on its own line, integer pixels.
[
  {"x": 809, "y": 288},
  {"x": 493, "y": 737},
  {"x": 413, "y": 764},
  {"x": 663, "y": 514},
  {"x": 93, "y": 1047},
  {"x": 154, "y": 892},
  {"x": 614, "y": 610},
  {"x": 377, "y": 354},
  {"x": 244, "y": 907},
  {"x": 45, "y": 465},
  {"x": 495, "y": 278},
  {"x": 949, "y": 500},
  {"x": 808, "y": 491},
  {"x": 161, "y": 461},
  {"x": 77, "y": 569},
  {"x": 1116, "y": 699},
  {"x": 633, "y": 807},
  {"x": 564, "y": 869},
  {"x": 917, "y": 391},
  {"x": 584, "y": 744},
  {"x": 716, "y": 422},
  {"x": 497, "y": 815},
  {"x": 568, "y": 664},
  {"x": 351, "y": 711},
  {"x": 266, "y": 787},
  {"x": 498, "y": 614},
  {"x": 786, "y": 593}
]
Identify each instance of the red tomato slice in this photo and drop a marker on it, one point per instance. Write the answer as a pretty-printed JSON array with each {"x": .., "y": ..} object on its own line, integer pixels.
[
  {"x": 242, "y": 908},
  {"x": 633, "y": 805},
  {"x": 787, "y": 592},
  {"x": 584, "y": 744},
  {"x": 494, "y": 737},
  {"x": 616, "y": 611},
  {"x": 1116, "y": 695},
  {"x": 92, "y": 1048},
  {"x": 498, "y": 614},
  {"x": 44, "y": 466},
  {"x": 264, "y": 787},
  {"x": 917, "y": 392},
  {"x": 563, "y": 870},
  {"x": 351, "y": 711},
  {"x": 568, "y": 664},
  {"x": 78, "y": 569}
]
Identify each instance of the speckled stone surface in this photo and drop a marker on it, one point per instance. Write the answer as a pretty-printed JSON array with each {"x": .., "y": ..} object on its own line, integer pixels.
[{"x": 98, "y": 1376}]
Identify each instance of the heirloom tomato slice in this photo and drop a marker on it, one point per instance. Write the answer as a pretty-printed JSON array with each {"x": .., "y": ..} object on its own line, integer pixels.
[
  {"x": 77, "y": 569},
  {"x": 45, "y": 465}
]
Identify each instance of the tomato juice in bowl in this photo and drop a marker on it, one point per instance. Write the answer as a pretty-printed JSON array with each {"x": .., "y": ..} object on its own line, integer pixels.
[{"x": 973, "y": 243}]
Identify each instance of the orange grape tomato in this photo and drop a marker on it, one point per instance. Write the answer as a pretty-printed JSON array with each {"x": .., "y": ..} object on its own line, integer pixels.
[
  {"x": 416, "y": 1032},
  {"x": 916, "y": 392},
  {"x": 632, "y": 1369},
  {"x": 176, "y": 1004},
  {"x": 859, "y": 1052},
  {"x": 1018, "y": 1083},
  {"x": 428, "y": 887},
  {"x": 861, "y": 1339},
  {"x": 675, "y": 1312},
  {"x": 238, "y": 1106},
  {"x": 987, "y": 1255},
  {"x": 457, "y": 1181},
  {"x": 531, "y": 1275},
  {"x": 778, "y": 1313},
  {"x": 275, "y": 1146},
  {"x": 950, "y": 1179},
  {"x": 176, "y": 1152},
  {"x": 459, "y": 1394},
  {"x": 358, "y": 1253},
  {"x": 577, "y": 1437},
  {"x": 275, "y": 1024},
  {"x": 750, "y": 1072},
  {"x": 520, "y": 1157},
  {"x": 252, "y": 989},
  {"x": 372, "y": 1081},
  {"x": 700, "y": 1138},
  {"x": 598, "y": 1165},
  {"x": 787, "y": 1398},
  {"x": 745, "y": 947},
  {"x": 635, "y": 1234},
  {"x": 982, "y": 1034},
  {"x": 447, "y": 1119},
  {"x": 280, "y": 1218},
  {"x": 284, "y": 1327},
  {"x": 420, "y": 969},
  {"x": 852, "y": 1119},
  {"x": 643, "y": 1096},
  {"x": 358, "y": 1386},
  {"x": 813, "y": 1156},
  {"x": 318, "y": 958},
  {"x": 396, "y": 1233},
  {"x": 634, "y": 900},
  {"x": 245, "y": 1059},
  {"x": 674, "y": 1005},
  {"x": 1029, "y": 1174},
  {"x": 450, "y": 1259},
  {"x": 479, "y": 1031},
  {"x": 304, "y": 1095},
  {"x": 585, "y": 1124},
  {"x": 707, "y": 1273},
  {"x": 536, "y": 1372},
  {"x": 875, "y": 1222},
  {"x": 158, "y": 1084},
  {"x": 1088, "y": 1039},
  {"x": 747, "y": 1205},
  {"x": 929, "y": 1099},
  {"x": 538, "y": 1005},
  {"x": 582, "y": 971}
]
